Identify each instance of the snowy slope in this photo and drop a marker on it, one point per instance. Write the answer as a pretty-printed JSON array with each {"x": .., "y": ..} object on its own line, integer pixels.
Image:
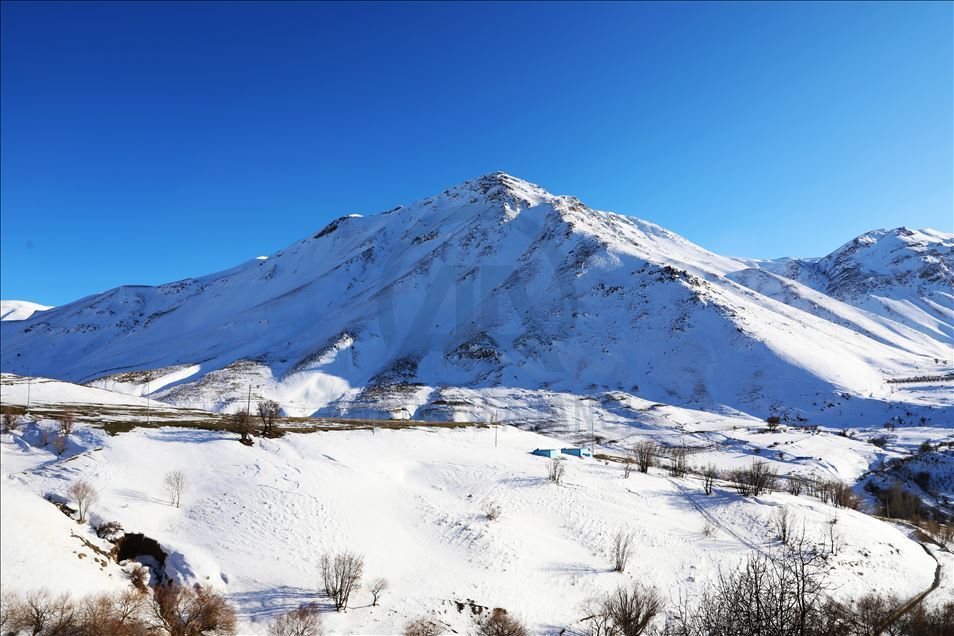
[
  {"x": 494, "y": 285},
  {"x": 255, "y": 520},
  {"x": 19, "y": 309}
]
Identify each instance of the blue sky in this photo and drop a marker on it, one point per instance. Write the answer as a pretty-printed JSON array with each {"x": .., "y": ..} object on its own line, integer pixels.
[{"x": 143, "y": 143}]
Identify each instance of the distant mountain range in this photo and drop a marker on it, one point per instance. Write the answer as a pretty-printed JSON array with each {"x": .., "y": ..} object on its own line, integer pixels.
[{"x": 497, "y": 296}]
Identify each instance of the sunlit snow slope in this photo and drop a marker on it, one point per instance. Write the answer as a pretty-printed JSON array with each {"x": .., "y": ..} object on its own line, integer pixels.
[{"x": 520, "y": 297}]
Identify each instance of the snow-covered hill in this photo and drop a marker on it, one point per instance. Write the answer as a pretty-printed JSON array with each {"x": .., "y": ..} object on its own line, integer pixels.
[
  {"x": 19, "y": 309},
  {"x": 496, "y": 295}
]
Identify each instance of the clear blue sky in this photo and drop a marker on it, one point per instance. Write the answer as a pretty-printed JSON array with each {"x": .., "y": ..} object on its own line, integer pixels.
[{"x": 143, "y": 143}]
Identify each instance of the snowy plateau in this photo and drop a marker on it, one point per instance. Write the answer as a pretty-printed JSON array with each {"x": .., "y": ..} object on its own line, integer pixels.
[{"x": 421, "y": 354}]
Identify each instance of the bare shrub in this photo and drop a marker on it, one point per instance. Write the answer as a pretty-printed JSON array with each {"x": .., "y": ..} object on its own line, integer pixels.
[
  {"x": 122, "y": 614},
  {"x": 242, "y": 423},
  {"x": 834, "y": 537},
  {"x": 83, "y": 493},
  {"x": 621, "y": 549},
  {"x": 422, "y": 626},
  {"x": 139, "y": 578},
  {"x": 59, "y": 445},
  {"x": 42, "y": 613},
  {"x": 709, "y": 475},
  {"x": 794, "y": 486},
  {"x": 11, "y": 419},
  {"x": 9, "y": 606},
  {"x": 708, "y": 529},
  {"x": 174, "y": 484},
  {"x": 627, "y": 467},
  {"x": 268, "y": 411},
  {"x": 109, "y": 530},
  {"x": 677, "y": 462},
  {"x": 644, "y": 452},
  {"x": 843, "y": 496},
  {"x": 377, "y": 588},
  {"x": 45, "y": 433},
  {"x": 555, "y": 470},
  {"x": 304, "y": 621},
  {"x": 341, "y": 575},
  {"x": 67, "y": 422},
  {"x": 782, "y": 522},
  {"x": 625, "y": 612},
  {"x": 762, "y": 478},
  {"x": 500, "y": 623},
  {"x": 492, "y": 510},
  {"x": 773, "y": 422},
  {"x": 191, "y": 611}
]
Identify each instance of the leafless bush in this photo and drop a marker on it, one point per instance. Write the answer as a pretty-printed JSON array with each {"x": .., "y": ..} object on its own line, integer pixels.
[
  {"x": 11, "y": 419},
  {"x": 621, "y": 549},
  {"x": 422, "y": 626},
  {"x": 45, "y": 433},
  {"x": 40, "y": 612},
  {"x": 843, "y": 496},
  {"x": 67, "y": 422},
  {"x": 627, "y": 467},
  {"x": 492, "y": 510},
  {"x": 708, "y": 529},
  {"x": 59, "y": 445},
  {"x": 174, "y": 485},
  {"x": 500, "y": 623},
  {"x": 942, "y": 533},
  {"x": 268, "y": 411},
  {"x": 556, "y": 470},
  {"x": 677, "y": 462},
  {"x": 794, "y": 486},
  {"x": 782, "y": 522},
  {"x": 834, "y": 537},
  {"x": 122, "y": 614},
  {"x": 645, "y": 453},
  {"x": 191, "y": 611},
  {"x": 83, "y": 493},
  {"x": 304, "y": 621},
  {"x": 625, "y": 612},
  {"x": 377, "y": 588},
  {"x": 709, "y": 475},
  {"x": 109, "y": 530},
  {"x": 139, "y": 578},
  {"x": 9, "y": 605},
  {"x": 754, "y": 480},
  {"x": 242, "y": 423},
  {"x": 341, "y": 576}
]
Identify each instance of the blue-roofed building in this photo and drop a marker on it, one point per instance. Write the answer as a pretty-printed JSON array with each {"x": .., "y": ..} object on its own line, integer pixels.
[
  {"x": 578, "y": 452},
  {"x": 546, "y": 452}
]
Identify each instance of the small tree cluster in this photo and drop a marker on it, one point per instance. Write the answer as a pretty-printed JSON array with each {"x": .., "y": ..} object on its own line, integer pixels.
[
  {"x": 174, "y": 484},
  {"x": 644, "y": 452},
  {"x": 755, "y": 480},
  {"x": 268, "y": 411},
  {"x": 341, "y": 576},
  {"x": 423, "y": 626},
  {"x": 782, "y": 522},
  {"x": 67, "y": 422},
  {"x": 709, "y": 475},
  {"x": 172, "y": 610},
  {"x": 677, "y": 461},
  {"x": 11, "y": 419}
]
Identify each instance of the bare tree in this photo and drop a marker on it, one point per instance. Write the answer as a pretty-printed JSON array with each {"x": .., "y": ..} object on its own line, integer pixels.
[
  {"x": 556, "y": 470},
  {"x": 762, "y": 478},
  {"x": 11, "y": 419},
  {"x": 644, "y": 452},
  {"x": 84, "y": 495},
  {"x": 341, "y": 575},
  {"x": 175, "y": 484},
  {"x": 67, "y": 422},
  {"x": 45, "y": 433},
  {"x": 492, "y": 510},
  {"x": 709, "y": 474},
  {"x": 422, "y": 626},
  {"x": 834, "y": 537},
  {"x": 268, "y": 411},
  {"x": 794, "y": 485},
  {"x": 242, "y": 423},
  {"x": 677, "y": 461},
  {"x": 377, "y": 588},
  {"x": 43, "y": 613},
  {"x": 625, "y": 612},
  {"x": 621, "y": 548},
  {"x": 782, "y": 522},
  {"x": 500, "y": 623},
  {"x": 627, "y": 467},
  {"x": 59, "y": 445},
  {"x": 304, "y": 621},
  {"x": 191, "y": 611}
]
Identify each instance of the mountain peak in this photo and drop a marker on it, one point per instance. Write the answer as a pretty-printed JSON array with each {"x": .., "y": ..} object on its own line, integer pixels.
[{"x": 501, "y": 187}]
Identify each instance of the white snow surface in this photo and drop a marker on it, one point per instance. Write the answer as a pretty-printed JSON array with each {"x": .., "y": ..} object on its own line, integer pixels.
[
  {"x": 255, "y": 520},
  {"x": 19, "y": 309}
]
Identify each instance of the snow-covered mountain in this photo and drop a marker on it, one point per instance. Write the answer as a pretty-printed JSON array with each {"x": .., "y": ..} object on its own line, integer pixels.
[
  {"x": 19, "y": 309},
  {"x": 497, "y": 295}
]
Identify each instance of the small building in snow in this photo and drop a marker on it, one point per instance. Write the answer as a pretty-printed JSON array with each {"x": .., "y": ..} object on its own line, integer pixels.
[
  {"x": 546, "y": 452},
  {"x": 578, "y": 452}
]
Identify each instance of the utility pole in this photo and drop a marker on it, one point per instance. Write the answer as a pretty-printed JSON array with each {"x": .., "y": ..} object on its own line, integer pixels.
[
  {"x": 147, "y": 403},
  {"x": 248, "y": 405},
  {"x": 29, "y": 381}
]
